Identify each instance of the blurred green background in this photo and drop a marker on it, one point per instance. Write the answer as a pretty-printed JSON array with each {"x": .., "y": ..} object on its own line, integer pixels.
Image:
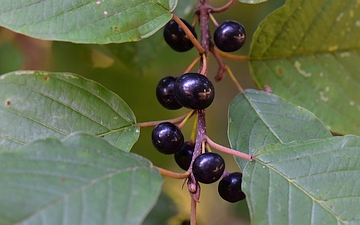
[{"x": 132, "y": 70}]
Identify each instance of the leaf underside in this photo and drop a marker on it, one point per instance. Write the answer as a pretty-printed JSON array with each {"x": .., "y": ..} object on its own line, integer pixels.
[
  {"x": 308, "y": 52},
  {"x": 86, "y": 21},
  {"x": 35, "y": 104},
  {"x": 81, "y": 180}
]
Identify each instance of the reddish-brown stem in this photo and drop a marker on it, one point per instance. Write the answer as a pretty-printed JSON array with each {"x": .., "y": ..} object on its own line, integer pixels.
[
  {"x": 171, "y": 174},
  {"x": 228, "y": 150},
  {"x": 154, "y": 123},
  {"x": 202, "y": 11},
  {"x": 189, "y": 34},
  {"x": 222, "y": 66},
  {"x": 224, "y": 7},
  {"x": 201, "y": 135},
  {"x": 193, "y": 212}
]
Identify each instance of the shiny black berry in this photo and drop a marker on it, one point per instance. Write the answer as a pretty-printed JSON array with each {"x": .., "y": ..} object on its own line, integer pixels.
[
  {"x": 176, "y": 38},
  {"x": 165, "y": 93},
  {"x": 167, "y": 138},
  {"x": 229, "y": 187},
  {"x": 208, "y": 167},
  {"x": 194, "y": 91},
  {"x": 229, "y": 36},
  {"x": 184, "y": 156}
]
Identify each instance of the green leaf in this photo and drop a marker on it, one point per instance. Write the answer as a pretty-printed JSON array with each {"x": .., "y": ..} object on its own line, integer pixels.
[
  {"x": 87, "y": 21},
  {"x": 257, "y": 118},
  {"x": 313, "y": 182},
  {"x": 81, "y": 180},
  {"x": 252, "y": 1},
  {"x": 35, "y": 104},
  {"x": 308, "y": 52},
  {"x": 164, "y": 209}
]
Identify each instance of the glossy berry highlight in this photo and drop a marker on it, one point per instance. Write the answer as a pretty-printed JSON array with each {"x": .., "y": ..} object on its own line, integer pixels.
[
  {"x": 208, "y": 167},
  {"x": 229, "y": 36},
  {"x": 176, "y": 38},
  {"x": 194, "y": 91},
  {"x": 229, "y": 187},
  {"x": 183, "y": 157},
  {"x": 165, "y": 93},
  {"x": 167, "y": 138}
]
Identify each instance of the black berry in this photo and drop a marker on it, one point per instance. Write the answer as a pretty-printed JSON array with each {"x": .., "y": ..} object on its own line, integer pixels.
[
  {"x": 176, "y": 38},
  {"x": 165, "y": 93},
  {"x": 184, "y": 156},
  {"x": 229, "y": 187},
  {"x": 229, "y": 36},
  {"x": 167, "y": 138},
  {"x": 194, "y": 91},
  {"x": 208, "y": 167}
]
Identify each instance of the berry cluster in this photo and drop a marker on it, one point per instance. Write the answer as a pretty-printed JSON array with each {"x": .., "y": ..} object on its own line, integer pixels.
[
  {"x": 229, "y": 36},
  {"x": 195, "y": 91},
  {"x": 190, "y": 90}
]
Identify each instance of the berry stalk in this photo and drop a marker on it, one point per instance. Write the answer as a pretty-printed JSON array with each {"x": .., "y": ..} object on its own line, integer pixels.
[
  {"x": 189, "y": 34},
  {"x": 228, "y": 150},
  {"x": 171, "y": 174}
]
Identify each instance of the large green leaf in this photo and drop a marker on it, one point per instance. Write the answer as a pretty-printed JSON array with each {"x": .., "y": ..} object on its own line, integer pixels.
[
  {"x": 314, "y": 182},
  {"x": 86, "y": 21},
  {"x": 82, "y": 180},
  {"x": 308, "y": 52},
  {"x": 38, "y": 104},
  {"x": 257, "y": 118}
]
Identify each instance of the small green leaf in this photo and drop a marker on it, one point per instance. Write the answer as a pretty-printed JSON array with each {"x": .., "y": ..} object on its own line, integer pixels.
[
  {"x": 252, "y": 1},
  {"x": 36, "y": 104},
  {"x": 313, "y": 182},
  {"x": 87, "y": 21},
  {"x": 308, "y": 52},
  {"x": 82, "y": 180},
  {"x": 257, "y": 118}
]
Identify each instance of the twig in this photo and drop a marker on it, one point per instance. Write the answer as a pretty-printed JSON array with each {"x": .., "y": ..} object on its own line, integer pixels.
[{"x": 193, "y": 212}]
